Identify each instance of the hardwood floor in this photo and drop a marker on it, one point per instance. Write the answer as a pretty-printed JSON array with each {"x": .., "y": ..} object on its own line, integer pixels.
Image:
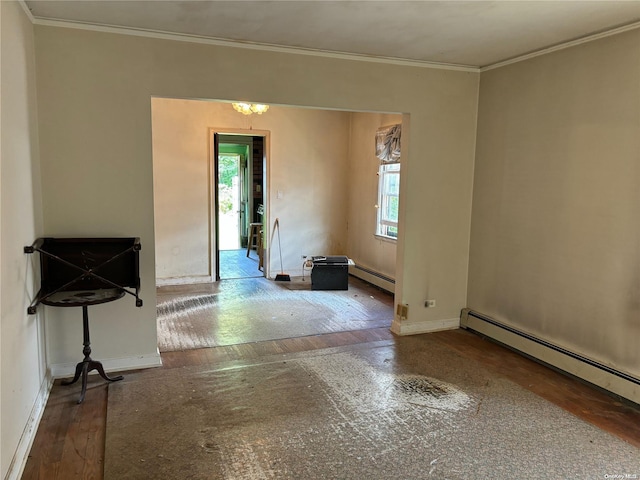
[
  {"x": 250, "y": 310},
  {"x": 70, "y": 440},
  {"x": 583, "y": 400},
  {"x": 69, "y": 443}
]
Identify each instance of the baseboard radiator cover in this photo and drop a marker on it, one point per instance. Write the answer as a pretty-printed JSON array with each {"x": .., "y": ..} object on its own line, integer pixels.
[
  {"x": 608, "y": 378},
  {"x": 376, "y": 278}
]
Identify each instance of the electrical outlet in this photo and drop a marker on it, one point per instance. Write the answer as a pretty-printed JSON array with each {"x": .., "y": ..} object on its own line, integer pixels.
[
  {"x": 403, "y": 311},
  {"x": 429, "y": 303}
]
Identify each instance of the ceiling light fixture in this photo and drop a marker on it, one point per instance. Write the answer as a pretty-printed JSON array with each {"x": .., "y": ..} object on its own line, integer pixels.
[{"x": 249, "y": 108}]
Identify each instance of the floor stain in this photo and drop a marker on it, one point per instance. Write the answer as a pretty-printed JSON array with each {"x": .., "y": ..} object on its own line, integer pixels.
[
  {"x": 364, "y": 386},
  {"x": 423, "y": 386}
]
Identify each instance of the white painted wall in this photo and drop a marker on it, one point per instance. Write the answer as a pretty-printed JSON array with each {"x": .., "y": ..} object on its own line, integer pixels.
[
  {"x": 365, "y": 248},
  {"x": 555, "y": 245},
  {"x": 308, "y": 165},
  {"x": 25, "y": 385},
  {"x": 95, "y": 92}
]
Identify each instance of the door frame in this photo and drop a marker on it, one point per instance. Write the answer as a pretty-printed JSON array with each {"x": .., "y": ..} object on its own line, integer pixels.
[{"x": 214, "y": 251}]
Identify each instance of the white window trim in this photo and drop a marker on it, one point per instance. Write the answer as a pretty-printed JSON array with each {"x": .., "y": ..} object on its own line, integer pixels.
[{"x": 379, "y": 221}]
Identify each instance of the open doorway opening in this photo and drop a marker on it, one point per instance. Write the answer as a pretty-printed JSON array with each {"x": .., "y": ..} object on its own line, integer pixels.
[
  {"x": 231, "y": 191},
  {"x": 320, "y": 181},
  {"x": 238, "y": 163}
]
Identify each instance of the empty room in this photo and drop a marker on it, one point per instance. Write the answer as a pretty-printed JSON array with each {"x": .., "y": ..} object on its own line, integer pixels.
[{"x": 509, "y": 267}]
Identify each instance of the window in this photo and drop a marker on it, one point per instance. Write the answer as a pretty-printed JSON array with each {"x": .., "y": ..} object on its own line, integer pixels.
[{"x": 388, "y": 195}]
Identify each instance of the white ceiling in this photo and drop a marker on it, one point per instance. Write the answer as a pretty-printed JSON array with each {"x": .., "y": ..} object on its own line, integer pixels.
[{"x": 471, "y": 33}]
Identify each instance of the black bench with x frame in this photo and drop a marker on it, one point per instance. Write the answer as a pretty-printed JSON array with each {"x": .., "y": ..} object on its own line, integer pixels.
[{"x": 79, "y": 272}]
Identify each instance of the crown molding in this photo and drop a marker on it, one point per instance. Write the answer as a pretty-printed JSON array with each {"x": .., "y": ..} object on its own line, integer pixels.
[
  {"x": 562, "y": 46},
  {"x": 250, "y": 45},
  {"x": 27, "y": 12},
  {"x": 50, "y": 22}
]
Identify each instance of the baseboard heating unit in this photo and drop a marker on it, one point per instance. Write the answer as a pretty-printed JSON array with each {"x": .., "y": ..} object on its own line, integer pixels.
[
  {"x": 596, "y": 373},
  {"x": 373, "y": 277}
]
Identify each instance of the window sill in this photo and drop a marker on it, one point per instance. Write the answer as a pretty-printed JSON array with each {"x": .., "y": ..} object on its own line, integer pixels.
[{"x": 384, "y": 238}]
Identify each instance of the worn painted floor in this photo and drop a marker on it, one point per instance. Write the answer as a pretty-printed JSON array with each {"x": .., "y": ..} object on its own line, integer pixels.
[
  {"x": 407, "y": 408},
  {"x": 236, "y": 264},
  {"x": 251, "y": 310},
  {"x": 69, "y": 444}
]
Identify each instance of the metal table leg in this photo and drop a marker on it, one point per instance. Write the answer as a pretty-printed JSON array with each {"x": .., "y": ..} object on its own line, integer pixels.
[{"x": 87, "y": 365}]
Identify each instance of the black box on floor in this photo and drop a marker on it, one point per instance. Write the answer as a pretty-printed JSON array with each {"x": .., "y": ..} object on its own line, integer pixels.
[{"x": 330, "y": 273}]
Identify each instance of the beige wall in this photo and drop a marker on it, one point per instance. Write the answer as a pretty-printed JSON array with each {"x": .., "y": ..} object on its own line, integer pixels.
[
  {"x": 95, "y": 94},
  {"x": 555, "y": 243},
  {"x": 364, "y": 248},
  {"x": 554, "y": 231},
  {"x": 307, "y": 164},
  {"x": 22, "y": 359}
]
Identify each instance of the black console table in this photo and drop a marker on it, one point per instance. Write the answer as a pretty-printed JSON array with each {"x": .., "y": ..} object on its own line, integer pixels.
[{"x": 80, "y": 272}]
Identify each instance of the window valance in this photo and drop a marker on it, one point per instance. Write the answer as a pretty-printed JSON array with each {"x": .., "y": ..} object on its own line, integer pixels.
[{"x": 388, "y": 143}]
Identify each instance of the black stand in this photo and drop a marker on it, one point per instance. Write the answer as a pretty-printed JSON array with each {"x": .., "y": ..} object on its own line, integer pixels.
[
  {"x": 78, "y": 272},
  {"x": 84, "y": 299},
  {"x": 87, "y": 365}
]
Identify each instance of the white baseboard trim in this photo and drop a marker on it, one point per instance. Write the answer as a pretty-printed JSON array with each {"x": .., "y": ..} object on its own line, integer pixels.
[
  {"x": 19, "y": 460},
  {"x": 373, "y": 278},
  {"x": 60, "y": 370},
  {"x": 161, "y": 282},
  {"x": 414, "y": 328},
  {"x": 603, "y": 376}
]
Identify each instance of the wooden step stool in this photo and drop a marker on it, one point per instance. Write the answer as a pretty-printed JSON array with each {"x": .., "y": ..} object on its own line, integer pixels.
[{"x": 253, "y": 241}]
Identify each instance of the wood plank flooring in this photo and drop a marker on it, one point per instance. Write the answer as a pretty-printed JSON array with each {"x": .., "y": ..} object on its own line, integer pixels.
[
  {"x": 69, "y": 443},
  {"x": 585, "y": 401},
  {"x": 252, "y": 310},
  {"x": 70, "y": 440}
]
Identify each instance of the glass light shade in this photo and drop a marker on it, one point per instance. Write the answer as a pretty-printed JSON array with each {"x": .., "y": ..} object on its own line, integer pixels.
[{"x": 249, "y": 108}]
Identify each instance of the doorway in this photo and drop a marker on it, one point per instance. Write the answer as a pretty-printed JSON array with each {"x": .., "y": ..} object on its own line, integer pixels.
[
  {"x": 239, "y": 166},
  {"x": 232, "y": 194}
]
